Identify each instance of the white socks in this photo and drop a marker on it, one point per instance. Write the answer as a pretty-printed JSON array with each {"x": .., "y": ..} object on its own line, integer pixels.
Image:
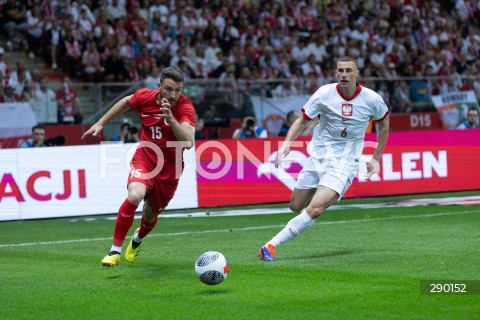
[
  {"x": 136, "y": 238},
  {"x": 115, "y": 248},
  {"x": 294, "y": 227}
]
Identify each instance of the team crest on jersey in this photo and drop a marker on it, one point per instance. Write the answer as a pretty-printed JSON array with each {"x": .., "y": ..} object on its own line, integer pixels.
[{"x": 347, "y": 109}]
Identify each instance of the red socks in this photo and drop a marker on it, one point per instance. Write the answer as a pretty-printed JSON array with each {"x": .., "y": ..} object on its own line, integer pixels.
[
  {"x": 146, "y": 227},
  {"x": 125, "y": 217}
]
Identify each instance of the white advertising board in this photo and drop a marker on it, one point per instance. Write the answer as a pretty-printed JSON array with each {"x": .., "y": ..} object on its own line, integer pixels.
[{"x": 75, "y": 181}]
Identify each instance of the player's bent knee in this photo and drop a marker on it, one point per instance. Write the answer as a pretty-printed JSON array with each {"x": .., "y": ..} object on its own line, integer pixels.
[
  {"x": 135, "y": 196},
  {"x": 315, "y": 212},
  {"x": 295, "y": 207}
]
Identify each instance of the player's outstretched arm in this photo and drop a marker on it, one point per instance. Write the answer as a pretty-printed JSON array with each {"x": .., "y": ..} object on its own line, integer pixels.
[
  {"x": 118, "y": 108},
  {"x": 292, "y": 134},
  {"x": 382, "y": 135}
]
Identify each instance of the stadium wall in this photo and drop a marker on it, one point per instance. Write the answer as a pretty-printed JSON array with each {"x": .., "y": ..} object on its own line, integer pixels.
[{"x": 90, "y": 180}]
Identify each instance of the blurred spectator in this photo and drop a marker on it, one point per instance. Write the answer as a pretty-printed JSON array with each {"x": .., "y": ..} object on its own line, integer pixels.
[
  {"x": 249, "y": 129},
  {"x": 84, "y": 24},
  {"x": 115, "y": 69},
  {"x": 311, "y": 67},
  {"x": 268, "y": 70},
  {"x": 457, "y": 78},
  {"x": 14, "y": 24},
  {"x": 9, "y": 94},
  {"x": 229, "y": 35},
  {"x": 126, "y": 50},
  {"x": 36, "y": 76},
  {"x": 37, "y": 140},
  {"x": 318, "y": 47},
  {"x": 45, "y": 105},
  {"x": 377, "y": 58},
  {"x": 36, "y": 25},
  {"x": 435, "y": 61},
  {"x": 73, "y": 54},
  {"x": 305, "y": 21},
  {"x": 447, "y": 86},
  {"x": 213, "y": 55},
  {"x": 181, "y": 55},
  {"x": 18, "y": 78},
  {"x": 152, "y": 79},
  {"x": 145, "y": 59},
  {"x": 284, "y": 89},
  {"x": 28, "y": 93},
  {"x": 160, "y": 38},
  {"x": 391, "y": 77},
  {"x": 291, "y": 117},
  {"x": 197, "y": 57},
  {"x": 220, "y": 69},
  {"x": 3, "y": 84},
  {"x": 201, "y": 132},
  {"x": 401, "y": 98},
  {"x": 471, "y": 121},
  {"x": 53, "y": 41},
  {"x": 132, "y": 72},
  {"x": 464, "y": 10},
  {"x": 69, "y": 106},
  {"x": 419, "y": 91},
  {"x": 209, "y": 129},
  {"x": 4, "y": 71},
  {"x": 92, "y": 68},
  {"x": 360, "y": 33},
  {"x": 199, "y": 72},
  {"x": 161, "y": 7},
  {"x": 135, "y": 24},
  {"x": 472, "y": 81},
  {"x": 116, "y": 10},
  {"x": 300, "y": 53},
  {"x": 124, "y": 129},
  {"x": 132, "y": 135},
  {"x": 154, "y": 23}
]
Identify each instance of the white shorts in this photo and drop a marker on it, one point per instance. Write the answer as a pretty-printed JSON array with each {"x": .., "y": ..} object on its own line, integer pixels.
[{"x": 314, "y": 175}]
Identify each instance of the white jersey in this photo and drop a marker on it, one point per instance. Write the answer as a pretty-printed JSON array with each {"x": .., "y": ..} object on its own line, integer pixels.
[{"x": 339, "y": 135}]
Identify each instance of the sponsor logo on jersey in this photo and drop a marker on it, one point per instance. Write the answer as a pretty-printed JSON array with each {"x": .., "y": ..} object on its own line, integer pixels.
[{"x": 155, "y": 115}]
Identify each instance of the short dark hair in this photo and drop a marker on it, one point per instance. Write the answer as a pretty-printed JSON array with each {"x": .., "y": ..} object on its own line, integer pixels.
[
  {"x": 473, "y": 109},
  {"x": 247, "y": 115},
  {"x": 291, "y": 113},
  {"x": 133, "y": 130},
  {"x": 38, "y": 127},
  {"x": 348, "y": 59},
  {"x": 172, "y": 72}
]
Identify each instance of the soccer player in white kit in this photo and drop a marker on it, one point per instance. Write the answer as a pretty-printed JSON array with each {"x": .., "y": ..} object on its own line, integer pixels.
[{"x": 344, "y": 110}]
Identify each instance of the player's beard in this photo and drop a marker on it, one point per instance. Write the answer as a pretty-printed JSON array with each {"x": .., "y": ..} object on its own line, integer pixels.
[{"x": 173, "y": 103}]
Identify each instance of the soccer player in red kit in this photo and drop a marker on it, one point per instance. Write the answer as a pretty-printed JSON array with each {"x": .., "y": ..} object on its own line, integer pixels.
[{"x": 168, "y": 126}]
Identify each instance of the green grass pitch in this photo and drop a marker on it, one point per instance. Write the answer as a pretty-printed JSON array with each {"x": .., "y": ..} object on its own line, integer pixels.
[{"x": 351, "y": 264}]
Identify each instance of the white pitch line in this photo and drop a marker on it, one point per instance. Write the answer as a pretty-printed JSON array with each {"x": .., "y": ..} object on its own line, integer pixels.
[
  {"x": 262, "y": 211},
  {"x": 28, "y": 244}
]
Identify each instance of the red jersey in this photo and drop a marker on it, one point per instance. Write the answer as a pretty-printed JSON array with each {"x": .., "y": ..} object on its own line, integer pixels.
[
  {"x": 156, "y": 130},
  {"x": 67, "y": 95}
]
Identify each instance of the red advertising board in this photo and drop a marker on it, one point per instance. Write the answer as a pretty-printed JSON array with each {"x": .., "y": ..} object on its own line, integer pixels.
[
  {"x": 234, "y": 172},
  {"x": 415, "y": 121}
]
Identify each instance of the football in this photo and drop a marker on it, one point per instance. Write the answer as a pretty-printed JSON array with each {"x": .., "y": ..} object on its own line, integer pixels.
[{"x": 212, "y": 267}]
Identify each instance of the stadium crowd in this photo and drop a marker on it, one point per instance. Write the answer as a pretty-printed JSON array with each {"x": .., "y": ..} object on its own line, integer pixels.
[{"x": 433, "y": 45}]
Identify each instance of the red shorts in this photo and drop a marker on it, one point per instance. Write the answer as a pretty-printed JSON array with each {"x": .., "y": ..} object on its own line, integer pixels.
[{"x": 159, "y": 192}]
